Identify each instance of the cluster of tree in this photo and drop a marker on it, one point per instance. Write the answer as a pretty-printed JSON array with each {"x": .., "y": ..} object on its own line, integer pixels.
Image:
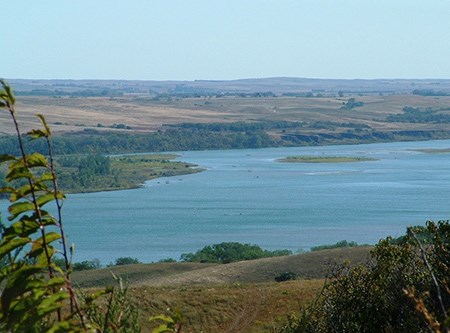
[
  {"x": 430, "y": 92},
  {"x": 308, "y": 94},
  {"x": 165, "y": 140},
  {"x": 331, "y": 125},
  {"x": 417, "y": 115},
  {"x": 95, "y": 165},
  {"x": 87, "y": 265},
  {"x": 88, "y": 170},
  {"x": 405, "y": 288},
  {"x": 241, "y": 126},
  {"x": 226, "y": 136},
  {"x": 227, "y": 252},
  {"x": 351, "y": 104},
  {"x": 125, "y": 261},
  {"x": 78, "y": 93},
  {"x": 257, "y": 94},
  {"x": 84, "y": 265},
  {"x": 191, "y": 92},
  {"x": 338, "y": 245}
]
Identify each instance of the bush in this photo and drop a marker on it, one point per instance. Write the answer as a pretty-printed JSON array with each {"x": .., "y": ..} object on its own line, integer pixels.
[
  {"x": 404, "y": 289},
  {"x": 167, "y": 260},
  {"x": 339, "y": 244},
  {"x": 86, "y": 265},
  {"x": 125, "y": 261},
  {"x": 286, "y": 276}
]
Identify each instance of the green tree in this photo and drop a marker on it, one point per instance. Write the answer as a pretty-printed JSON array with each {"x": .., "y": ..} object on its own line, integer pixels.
[
  {"x": 125, "y": 261},
  {"x": 95, "y": 165},
  {"x": 227, "y": 252},
  {"x": 87, "y": 265}
]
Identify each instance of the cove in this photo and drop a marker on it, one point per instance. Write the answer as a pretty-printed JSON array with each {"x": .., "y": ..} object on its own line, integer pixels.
[{"x": 247, "y": 196}]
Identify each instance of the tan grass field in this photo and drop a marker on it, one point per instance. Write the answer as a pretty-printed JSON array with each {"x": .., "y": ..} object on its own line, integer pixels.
[{"x": 143, "y": 114}]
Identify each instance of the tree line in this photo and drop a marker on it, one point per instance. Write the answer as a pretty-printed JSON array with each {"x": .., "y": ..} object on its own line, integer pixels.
[{"x": 418, "y": 115}]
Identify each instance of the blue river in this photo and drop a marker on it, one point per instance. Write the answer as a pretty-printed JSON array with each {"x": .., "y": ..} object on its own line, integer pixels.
[{"x": 248, "y": 196}]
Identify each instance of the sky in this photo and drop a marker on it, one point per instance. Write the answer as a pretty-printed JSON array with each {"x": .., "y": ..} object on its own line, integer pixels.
[{"x": 224, "y": 40}]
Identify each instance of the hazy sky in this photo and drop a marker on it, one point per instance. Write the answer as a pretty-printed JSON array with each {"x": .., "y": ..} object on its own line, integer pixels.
[{"x": 227, "y": 39}]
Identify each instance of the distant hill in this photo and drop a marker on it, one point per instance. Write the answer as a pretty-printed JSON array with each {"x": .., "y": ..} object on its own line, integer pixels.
[
  {"x": 247, "y": 113},
  {"x": 277, "y": 85}
]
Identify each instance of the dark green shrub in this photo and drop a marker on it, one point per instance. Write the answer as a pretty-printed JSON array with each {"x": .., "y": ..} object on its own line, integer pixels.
[
  {"x": 125, "y": 261},
  {"x": 339, "y": 244},
  {"x": 167, "y": 260},
  {"x": 286, "y": 276},
  {"x": 86, "y": 265},
  {"x": 404, "y": 289}
]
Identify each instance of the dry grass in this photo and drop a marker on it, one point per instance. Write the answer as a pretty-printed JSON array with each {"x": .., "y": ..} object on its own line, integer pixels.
[
  {"x": 228, "y": 308},
  {"x": 236, "y": 297},
  {"x": 145, "y": 114}
]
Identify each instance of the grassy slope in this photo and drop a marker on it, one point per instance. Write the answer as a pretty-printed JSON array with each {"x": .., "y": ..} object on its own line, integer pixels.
[
  {"x": 236, "y": 297},
  {"x": 310, "y": 265},
  {"x": 236, "y": 308}
]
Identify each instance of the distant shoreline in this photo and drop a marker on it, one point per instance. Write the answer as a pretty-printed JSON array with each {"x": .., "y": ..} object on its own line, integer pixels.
[{"x": 324, "y": 159}]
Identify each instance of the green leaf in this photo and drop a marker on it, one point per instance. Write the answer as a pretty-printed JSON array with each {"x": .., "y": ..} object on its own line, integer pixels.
[
  {"x": 44, "y": 123},
  {"x": 22, "y": 228},
  {"x": 6, "y": 158},
  {"x": 7, "y": 189},
  {"x": 43, "y": 199},
  {"x": 20, "y": 193},
  {"x": 46, "y": 218},
  {"x": 26, "y": 189},
  {"x": 9, "y": 93},
  {"x": 18, "y": 284},
  {"x": 162, "y": 329},
  {"x": 36, "y": 134},
  {"x": 16, "y": 172},
  {"x": 92, "y": 297},
  {"x": 36, "y": 160},
  {"x": 56, "y": 282},
  {"x": 51, "y": 304},
  {"x": 49, "y": 238},
  {"x": 165, "y": 318},
  {"x": 18, "y": 208},
  {"x": 10, "y": 245},
  {"x": 65, "y": 327},
  {"x": 46, "y": 176},
  {"x": 41, "y": 255}
]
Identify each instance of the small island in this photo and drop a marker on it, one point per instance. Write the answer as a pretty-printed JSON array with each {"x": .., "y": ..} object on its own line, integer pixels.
[
  {"x": 433, "y": 150},
  {"x": 324, "y": 159}
]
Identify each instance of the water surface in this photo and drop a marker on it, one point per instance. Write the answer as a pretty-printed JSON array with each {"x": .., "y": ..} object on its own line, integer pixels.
[{"x": 247, "y": 196}]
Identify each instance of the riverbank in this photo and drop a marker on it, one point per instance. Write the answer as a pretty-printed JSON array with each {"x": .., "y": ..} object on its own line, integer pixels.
[{"x": 81, "y": 175}]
